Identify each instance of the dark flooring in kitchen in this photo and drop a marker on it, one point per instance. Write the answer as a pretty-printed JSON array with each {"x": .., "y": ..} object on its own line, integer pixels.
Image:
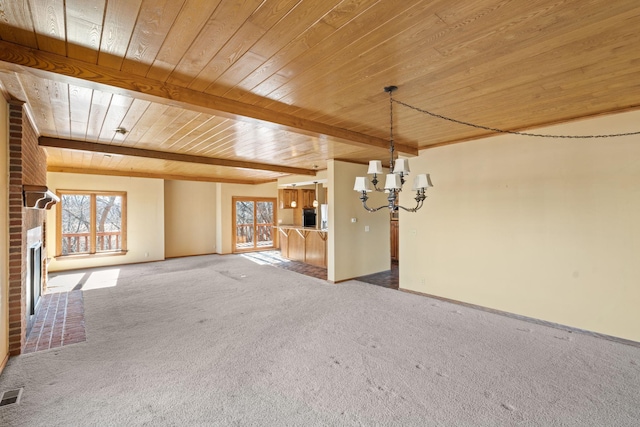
[{"x": 387, "y": 279}]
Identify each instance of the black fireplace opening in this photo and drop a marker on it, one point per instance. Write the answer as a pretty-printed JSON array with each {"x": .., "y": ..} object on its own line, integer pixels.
[{"x": 34, "y": 282}]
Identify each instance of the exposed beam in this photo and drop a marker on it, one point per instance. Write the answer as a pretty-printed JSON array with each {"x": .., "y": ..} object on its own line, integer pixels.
[
  {"x": 44, "y": 141},
  {"x": 49, "y": 65},
  {"x": 136, "y": 174}
]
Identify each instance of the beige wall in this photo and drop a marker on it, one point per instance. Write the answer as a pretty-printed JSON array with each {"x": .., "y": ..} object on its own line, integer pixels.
[
  {"x": 189, "y": 218},
  {"x": 545, "y": 228},
  {"x": 225, "y": 192},
  {"x": 145, "y": 218},
  {"x": 4, "y": 230},
  {"x": 352, "y": 251}
]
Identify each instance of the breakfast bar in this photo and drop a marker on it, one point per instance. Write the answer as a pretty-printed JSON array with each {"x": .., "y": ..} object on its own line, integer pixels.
[{"x": 305, "y": 244}]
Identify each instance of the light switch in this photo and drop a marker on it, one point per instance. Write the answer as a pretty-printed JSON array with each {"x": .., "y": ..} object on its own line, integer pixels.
[{"x": 366, "y": 228}]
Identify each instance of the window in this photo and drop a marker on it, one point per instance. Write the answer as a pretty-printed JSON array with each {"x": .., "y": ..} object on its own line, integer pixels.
[
  {"x": 254, "y": 221},
  {"x": 91, "y": 222}
]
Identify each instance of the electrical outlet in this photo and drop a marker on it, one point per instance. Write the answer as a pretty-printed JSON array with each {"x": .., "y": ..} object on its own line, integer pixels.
[
  {"x": 366, "y": 228},
  {"x": 354, "y": 219},
  {"x": 422, "y": 281}
]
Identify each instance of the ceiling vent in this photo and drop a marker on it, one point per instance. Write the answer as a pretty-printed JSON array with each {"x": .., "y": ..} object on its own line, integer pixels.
[{"x": 38, "y": 197}]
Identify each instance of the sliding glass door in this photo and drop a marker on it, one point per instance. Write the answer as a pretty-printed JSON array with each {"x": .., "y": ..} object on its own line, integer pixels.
[{"x": 254, "y": 220}]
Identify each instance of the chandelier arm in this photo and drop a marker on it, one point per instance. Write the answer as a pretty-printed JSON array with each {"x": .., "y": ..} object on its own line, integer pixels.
[
  {"x": 418, "y": 206},
  {"x": 374, "y": 209},
  {"x": 419, "y": 202},
  {"x": 364, "y": 198}
]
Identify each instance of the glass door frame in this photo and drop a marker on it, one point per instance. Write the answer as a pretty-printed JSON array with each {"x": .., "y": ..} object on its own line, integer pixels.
[{"x": 234, "y": 230}]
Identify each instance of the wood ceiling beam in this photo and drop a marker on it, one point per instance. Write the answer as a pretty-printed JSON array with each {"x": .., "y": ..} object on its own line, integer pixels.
[
  {"x": 136, "y": 174},
  {"x": 48, "y": 65},
  {"x": 44, "y": 141}
]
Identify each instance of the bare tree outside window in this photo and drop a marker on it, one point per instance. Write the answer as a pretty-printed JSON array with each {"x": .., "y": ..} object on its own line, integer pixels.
[
  {"x": 108, "y": 222},
  {"x": 244, "y": 222},
  {"x": 76, "y": 223},
  {"x": 264, "y": 223},
  {"x": 91, "y": 223}
]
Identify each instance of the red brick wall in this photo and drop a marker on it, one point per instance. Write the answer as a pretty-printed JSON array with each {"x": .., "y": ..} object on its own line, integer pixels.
[{"x": 27, "y": 165}]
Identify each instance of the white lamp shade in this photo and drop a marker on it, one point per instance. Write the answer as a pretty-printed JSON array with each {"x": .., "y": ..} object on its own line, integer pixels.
[
  {"x": 315, "y": 203},
  {"x": 362, "y": 184},
  {"x": 401, "y": 166},
  {"x": 423, "y": 180},
  {"x": 375, "y": 166},
  {"x": 294, "y": 204},
  {"x": 393, "y": 182}
]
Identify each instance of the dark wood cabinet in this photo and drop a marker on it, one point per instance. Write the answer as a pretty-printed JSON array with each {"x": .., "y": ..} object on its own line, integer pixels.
[{"x": 394, "y": 240}]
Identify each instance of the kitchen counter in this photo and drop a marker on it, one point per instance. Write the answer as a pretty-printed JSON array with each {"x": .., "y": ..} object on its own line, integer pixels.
[{"x": 305, "y": 244}]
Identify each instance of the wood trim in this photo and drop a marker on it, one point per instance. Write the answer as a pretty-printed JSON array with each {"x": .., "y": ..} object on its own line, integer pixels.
[
  {"x": 86, "y": 256},
  {"x": 57, "y": 67},
  {"x": 569, "y": 329},
  {"x": 7, "y": 97},
  {"x": 59, "y": 226},
  {"x": 4, "y": 362},
  {"x": 92, "y": 225},
  {"x": 92, "y": 147},
  {"x": 302, "y": 233},
  {"x": 123, "y": 245}
]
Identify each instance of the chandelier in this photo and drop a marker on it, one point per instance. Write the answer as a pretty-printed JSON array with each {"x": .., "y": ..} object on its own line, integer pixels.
[{"x": 394, "y": 181}]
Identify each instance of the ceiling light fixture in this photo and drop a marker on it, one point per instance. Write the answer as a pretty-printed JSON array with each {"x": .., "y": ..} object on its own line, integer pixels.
[
  {"x": 399, "y": 169},
  {"x": 294, "y": 203},
  {"x": 315, "y": 199}
]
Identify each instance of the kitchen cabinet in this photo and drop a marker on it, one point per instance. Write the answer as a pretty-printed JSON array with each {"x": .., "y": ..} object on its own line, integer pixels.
[
  {"x": 308, "y": 196},
  {"x": 287, "y": 196},
  {"x": 304, "y": 244}
]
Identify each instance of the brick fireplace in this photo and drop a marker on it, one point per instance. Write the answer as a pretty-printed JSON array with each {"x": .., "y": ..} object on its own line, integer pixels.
[{"x": 27, "y": 166}]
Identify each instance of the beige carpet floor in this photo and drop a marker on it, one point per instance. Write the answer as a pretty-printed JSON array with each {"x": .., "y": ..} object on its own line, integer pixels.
[{"x": 219, "y": 341}]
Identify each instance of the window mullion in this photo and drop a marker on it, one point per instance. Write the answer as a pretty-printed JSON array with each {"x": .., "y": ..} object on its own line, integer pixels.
[
  {"x": 92, "y": 244},
  {"x": 255, "y": 224}
]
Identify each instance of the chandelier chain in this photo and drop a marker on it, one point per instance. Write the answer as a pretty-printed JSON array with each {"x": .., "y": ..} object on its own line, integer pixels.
[
  {"x": 513, "y": 132},
  {"x": 391, "y": 142}
]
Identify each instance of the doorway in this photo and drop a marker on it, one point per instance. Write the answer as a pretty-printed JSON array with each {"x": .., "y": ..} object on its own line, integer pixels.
[{"x": 254, "y": 222}]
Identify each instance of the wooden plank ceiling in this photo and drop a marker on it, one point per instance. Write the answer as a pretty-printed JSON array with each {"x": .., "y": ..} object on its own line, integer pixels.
[{"x": 251, "y": 90}]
